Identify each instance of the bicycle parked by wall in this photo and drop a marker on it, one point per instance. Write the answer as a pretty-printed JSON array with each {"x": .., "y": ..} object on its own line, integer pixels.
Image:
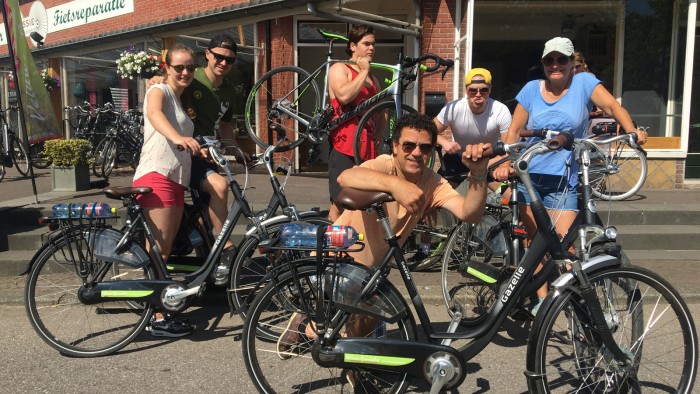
[
  {"x": 602, "y": 327},
  {"x": 287, "y": 100},
  {"x": 13, "y": 149}
]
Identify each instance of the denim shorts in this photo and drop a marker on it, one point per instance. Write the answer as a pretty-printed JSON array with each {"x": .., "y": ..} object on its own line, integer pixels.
[{"x": 554, "y": 190}]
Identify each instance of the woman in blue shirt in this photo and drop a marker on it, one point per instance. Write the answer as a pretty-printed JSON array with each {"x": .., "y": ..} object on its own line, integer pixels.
[{"x": 560, "y": 102}]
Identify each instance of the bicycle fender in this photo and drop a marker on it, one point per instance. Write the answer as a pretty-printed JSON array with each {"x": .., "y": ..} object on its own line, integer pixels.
[
  {"x": 280, "y": 219},
  {"x": 557, "y": 289}
]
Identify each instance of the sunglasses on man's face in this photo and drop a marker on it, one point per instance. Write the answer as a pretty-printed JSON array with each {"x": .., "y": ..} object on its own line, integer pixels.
[
  {"x": 220, "y": 58},
  {"x": 410, "y": 146},
  {"x": 180, "y": 67},
  {"x": 561, "y": 60},
  {"x": 471, "y": 92}
]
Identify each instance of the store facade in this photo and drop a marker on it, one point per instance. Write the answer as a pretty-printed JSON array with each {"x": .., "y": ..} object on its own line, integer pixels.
[{"x": 643, "y": 51}]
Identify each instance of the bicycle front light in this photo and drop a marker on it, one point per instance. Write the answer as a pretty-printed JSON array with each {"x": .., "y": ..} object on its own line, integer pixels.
[{"x": 611, "y": 233}]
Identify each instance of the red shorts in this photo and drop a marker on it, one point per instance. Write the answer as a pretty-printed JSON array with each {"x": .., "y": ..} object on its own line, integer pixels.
[{"x": 166, "y": 193}]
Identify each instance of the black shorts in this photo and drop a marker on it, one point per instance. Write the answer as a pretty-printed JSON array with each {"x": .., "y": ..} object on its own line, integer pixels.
[
  {"x": 337, "y": 163},
  {"x": 200, "y": 171}
]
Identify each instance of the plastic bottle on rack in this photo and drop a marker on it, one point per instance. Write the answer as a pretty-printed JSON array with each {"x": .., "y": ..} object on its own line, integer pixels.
[
  {"x": 304, "y": 234},
  {"x": 90, "y": 210}
]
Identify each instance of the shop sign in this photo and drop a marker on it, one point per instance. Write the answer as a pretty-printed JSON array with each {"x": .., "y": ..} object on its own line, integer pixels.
[{"x": 73, "y": 14}]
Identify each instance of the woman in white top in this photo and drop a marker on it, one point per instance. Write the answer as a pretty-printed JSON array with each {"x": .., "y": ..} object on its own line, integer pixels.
[{"x": 162, "y": 166}]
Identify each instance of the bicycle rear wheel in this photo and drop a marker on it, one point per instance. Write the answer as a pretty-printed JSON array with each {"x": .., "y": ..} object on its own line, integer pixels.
[
  {"x": 272, "y": 310},
  {"x": 99, "y": 154},
  {"x": 19, "y": 156},
  {"x": 617, "y": 171},
  {"x": 381, "y": 118},
  {"x": 468, "y": 250},
  {"x": 62, "y": 320},
  {"x": 648, "y": 320},
  {"x": 36, "y": 153},
  {"x": 277, "y": 105}
]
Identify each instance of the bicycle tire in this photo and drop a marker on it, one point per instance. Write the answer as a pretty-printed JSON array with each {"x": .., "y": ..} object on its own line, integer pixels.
[
  {"x": 2, "y": 172},
  {"x": 619, "y": 174},
  {"x": 272, "y": 309},
  {"x": 99, "y": 155},
  {"x": 38, "y": 159},
  {"x": 68, "y": 325},
  {"x": 251, "y": 265},
  {"x": 464, "y": 292},
  {"x": 110, "y": 158},
  {"x": 283, "y": 91},
  {"x": 387, "y": 110},
  {"x": 19, "y": 156},
  {"x": 436, "y": 236},
  {"x": 648, "y": 319}
]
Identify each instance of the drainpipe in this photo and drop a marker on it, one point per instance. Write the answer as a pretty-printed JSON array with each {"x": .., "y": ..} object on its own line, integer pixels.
[{"x": 457, "y": 54}]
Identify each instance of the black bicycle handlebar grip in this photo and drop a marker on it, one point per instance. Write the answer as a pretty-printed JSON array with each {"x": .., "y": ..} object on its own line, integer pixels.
[
  {"x": 563, "y": 140},
  {"x": 498, "y": 150}
]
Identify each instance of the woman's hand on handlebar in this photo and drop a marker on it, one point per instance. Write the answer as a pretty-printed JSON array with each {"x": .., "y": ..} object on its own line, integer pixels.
[{"x": 189, "y": 144}]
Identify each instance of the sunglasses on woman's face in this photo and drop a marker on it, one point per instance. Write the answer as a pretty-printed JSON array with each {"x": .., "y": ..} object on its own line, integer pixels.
[
  {"x": 471, "y": 92},
  {"x": 181, "y": 67},
  {"x": 410, "y": 146},
  {"x": 561, "y": 60}
]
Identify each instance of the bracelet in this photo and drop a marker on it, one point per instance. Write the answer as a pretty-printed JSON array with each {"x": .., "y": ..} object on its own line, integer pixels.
[{"x": 477, "y": 178}]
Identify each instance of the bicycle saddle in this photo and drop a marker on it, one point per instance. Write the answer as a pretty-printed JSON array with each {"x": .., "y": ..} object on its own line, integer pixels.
[
  {"x": 354, "y": 199},
  {"x": 119, "y": 192}
]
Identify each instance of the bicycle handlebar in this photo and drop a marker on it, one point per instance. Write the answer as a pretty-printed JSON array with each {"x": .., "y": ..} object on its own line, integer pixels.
[{"x": 408, "y": 62}]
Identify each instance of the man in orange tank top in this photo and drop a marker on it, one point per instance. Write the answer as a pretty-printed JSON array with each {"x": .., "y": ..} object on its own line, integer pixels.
[{"x": 348, "y": 85}]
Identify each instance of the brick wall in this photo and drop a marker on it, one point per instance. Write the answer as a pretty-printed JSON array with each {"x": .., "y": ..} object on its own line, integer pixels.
[
  {"x": 438, "y": 37},
  {"x": 145, "y": 11}
]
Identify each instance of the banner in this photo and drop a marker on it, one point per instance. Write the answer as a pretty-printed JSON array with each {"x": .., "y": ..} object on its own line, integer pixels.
[{"x": 41, "y": 122}]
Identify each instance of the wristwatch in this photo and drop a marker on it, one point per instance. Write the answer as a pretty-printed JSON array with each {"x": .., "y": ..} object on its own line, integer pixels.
[{"x": 477, "y": 177}]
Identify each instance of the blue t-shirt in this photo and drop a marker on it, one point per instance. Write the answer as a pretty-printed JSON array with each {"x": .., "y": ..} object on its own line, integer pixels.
[{"x": 569, "y": 113}]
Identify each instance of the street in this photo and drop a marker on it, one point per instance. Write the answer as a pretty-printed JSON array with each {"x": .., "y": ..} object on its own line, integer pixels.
[{"x": 207, "y": 361}]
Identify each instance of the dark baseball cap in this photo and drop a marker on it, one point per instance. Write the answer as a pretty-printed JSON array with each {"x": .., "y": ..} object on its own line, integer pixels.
[{"x": 223, "y": 41}]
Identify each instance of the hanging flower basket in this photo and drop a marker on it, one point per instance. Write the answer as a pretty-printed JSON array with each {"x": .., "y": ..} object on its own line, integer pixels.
[
  {"x": 50, "y": 82},
  {"x": 132, "y": 64}
]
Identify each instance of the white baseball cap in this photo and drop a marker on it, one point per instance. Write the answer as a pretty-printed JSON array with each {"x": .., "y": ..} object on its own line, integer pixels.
[{"x": 558, "y": 44}]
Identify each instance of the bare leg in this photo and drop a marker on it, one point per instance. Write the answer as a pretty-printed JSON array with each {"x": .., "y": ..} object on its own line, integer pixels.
[{"x": 217, "y": 187}]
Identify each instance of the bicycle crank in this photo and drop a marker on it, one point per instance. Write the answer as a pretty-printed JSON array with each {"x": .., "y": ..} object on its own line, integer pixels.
[{"x": 441, "y": 366}]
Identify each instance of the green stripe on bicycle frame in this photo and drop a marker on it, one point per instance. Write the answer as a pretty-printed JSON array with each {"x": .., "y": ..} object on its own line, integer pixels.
[
  {"x": 471, "y": 271},
  {"x": 387, "y": 361},
  {"x": 181, "y": 267},
  {"x": 125, "y": 293}
]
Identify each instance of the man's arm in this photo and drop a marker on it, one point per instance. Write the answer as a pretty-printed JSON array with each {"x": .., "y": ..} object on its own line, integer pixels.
[
  {"x": 447, "y": 145},
  {"x": 341, "y": 85},
  {"x": 470, "y": 208},
  {"x": 405, "y": 193}
]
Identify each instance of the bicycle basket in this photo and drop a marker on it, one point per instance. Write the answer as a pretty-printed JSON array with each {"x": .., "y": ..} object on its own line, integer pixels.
[
  {"x": 104, "y": 243},
  {"x": 344, "y": 283}
]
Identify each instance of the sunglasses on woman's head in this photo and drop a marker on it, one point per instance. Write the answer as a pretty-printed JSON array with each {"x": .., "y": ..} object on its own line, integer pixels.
[
  {"x": 220, "y": 58},
  {"x": 180, "y": 67},
  {"x": 410, "y": 146},
  {"x": 471, "y": 92},
  {"x": 561, "y": 60}
]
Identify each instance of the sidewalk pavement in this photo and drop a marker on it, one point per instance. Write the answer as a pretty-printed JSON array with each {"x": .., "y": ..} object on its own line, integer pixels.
[{"x": 311, "y": 190}]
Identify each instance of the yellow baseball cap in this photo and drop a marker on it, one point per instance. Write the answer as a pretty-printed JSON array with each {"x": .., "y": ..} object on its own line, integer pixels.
[{"x": 478, "y": 71}]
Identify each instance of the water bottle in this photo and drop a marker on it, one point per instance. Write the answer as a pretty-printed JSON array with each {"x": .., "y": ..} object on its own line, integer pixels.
[
  {"x": 90, "y": 210},
  {"x": 494, "y": 199},
  {"x": 304, "y": 234}
]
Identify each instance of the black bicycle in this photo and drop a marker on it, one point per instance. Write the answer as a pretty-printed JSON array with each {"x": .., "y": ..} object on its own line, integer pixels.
[
  {"x": 12, "y": 147},
  {"x": 602, "y": 328}
]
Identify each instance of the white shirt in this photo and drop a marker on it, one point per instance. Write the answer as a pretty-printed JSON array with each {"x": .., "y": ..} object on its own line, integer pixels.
[{"x": 469, "y": 128}]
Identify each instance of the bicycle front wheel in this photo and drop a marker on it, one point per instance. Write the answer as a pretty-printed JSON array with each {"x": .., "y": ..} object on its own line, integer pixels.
[
  {"x": 470, "y": 249},
  {"x": 381, "y": 118},
  {"x": 281, "y": 103},
  {"x": 110, "y": 158},
  {"x": 99, "y": 155},
  {"x": 273, "y": 308},
  {"x": 19, "y": 156},
  {"x": 648, "y": 320},
  {"x": 617, "y": 171},
  {"x": 62, "y": 320}
]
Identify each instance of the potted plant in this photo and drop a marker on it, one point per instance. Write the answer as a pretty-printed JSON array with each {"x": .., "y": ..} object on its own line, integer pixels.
[
  {"x": 71, "y": 160},
  {"x": 133, "y": 63},
  {"x": 50, "y": 82}
]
